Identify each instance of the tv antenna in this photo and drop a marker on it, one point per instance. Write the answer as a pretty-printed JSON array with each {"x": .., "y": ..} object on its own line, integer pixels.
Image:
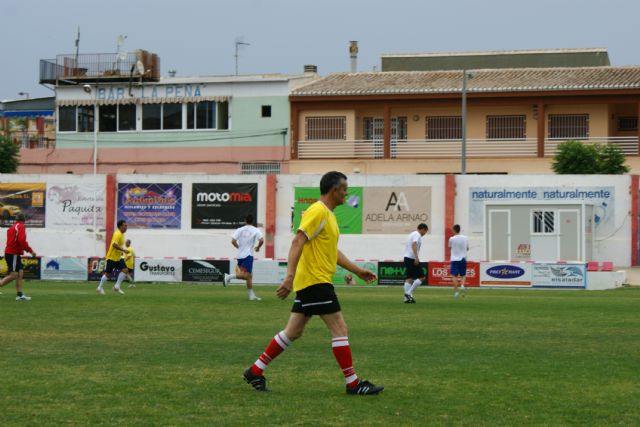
[
  {"x": 121, "y": 55},
  {"x": 239, "y": 42}
]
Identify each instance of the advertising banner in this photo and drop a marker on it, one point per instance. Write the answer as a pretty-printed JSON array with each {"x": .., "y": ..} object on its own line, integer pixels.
[
  {"x": 393, "y": 273},
  {"x": 505, "y": 274},
  {"x": 223, "y": 206},
  {"x": 30, "y": 266},
  {"x": 440, "y": 274},
  {"x": 265, "y": 271},
  {"x": 553, "y": 275},
  {"x": 158, "y": 270},
  {"x": 150, "y": 205},
  {"x": 95, "y": 267},
  {"x": 345, "y": 277},
  {"x": 349, "y": 215},
  {"x": 26, "y": 198},
  {"x": 603, "y": 199},
  {"x": 395, "y": 210},
  {"x": 200, "y": 270},
  {"x": 75, "y": 205},
  {"x": 63, "y": 268}
]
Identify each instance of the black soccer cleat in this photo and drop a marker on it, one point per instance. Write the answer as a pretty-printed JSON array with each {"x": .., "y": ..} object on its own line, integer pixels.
[
  {"x": 365, "y": 387},
  {"x": 408, "y": 299},
  {"x": 258, "y": 382}
]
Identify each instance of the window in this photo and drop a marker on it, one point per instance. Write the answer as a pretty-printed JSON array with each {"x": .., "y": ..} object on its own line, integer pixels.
[
  {"x": 266, "y": 111},
  {"x": 66, "y": 119},
  {"x": 373, "y": 128},
  {"x": 444, "y": 127},
  {"x": 569, "y": 126},
  {"x": 543, "y": 222},
  {"x": 325, "y": 128},
  {"x": 108, "y": 115},
  {"x": 126, "y": 117},
  {"x": 85, "y": 118},
  {"x": 399, "y": 128},
  {"x": 506, "y": 127},
  {"x": 172, "y": 116},
  {"x": 260, "y": 168},
  {"x": 151, "y": 116},
  {"x": 223, "y": 115},
  {"x": 628, "y": 124}
]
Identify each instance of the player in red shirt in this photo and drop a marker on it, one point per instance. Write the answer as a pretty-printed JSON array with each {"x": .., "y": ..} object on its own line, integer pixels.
[{"x": 16, "y": 245}]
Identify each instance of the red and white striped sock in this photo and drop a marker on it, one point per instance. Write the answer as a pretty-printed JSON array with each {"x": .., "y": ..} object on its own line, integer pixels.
[
  {"x": 342, "y": 353},
  {"x": 278, "y": 344}
]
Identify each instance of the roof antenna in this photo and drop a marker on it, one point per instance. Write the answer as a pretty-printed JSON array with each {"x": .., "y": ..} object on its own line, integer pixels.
[{"x": 239, "y": 42}]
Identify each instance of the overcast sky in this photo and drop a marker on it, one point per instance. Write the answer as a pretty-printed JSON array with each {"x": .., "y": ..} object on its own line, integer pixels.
[{"x": 196, "y": 37}]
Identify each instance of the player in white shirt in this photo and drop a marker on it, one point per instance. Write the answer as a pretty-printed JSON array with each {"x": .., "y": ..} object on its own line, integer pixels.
[
  {"x": 414, "y": 275},
  {"x": 459, "y": 245},
  {"x": 244, "y": 239}
]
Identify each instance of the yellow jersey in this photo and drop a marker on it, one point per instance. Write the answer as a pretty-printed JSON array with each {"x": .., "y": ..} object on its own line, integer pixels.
[
  {"x": 129, "y": 258},
  {"x": 319, "y": 257},
  {"x": 115, "y": 254}
]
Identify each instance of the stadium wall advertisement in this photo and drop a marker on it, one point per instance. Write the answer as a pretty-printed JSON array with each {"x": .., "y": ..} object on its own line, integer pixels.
[
  {"x": 95, "y": 267},
  {"x": 150, "y": 205},
  {"x": 349, "y": 215},
  {"x": 394, "y": 273},
  {"x": 440, "y": 274},
  {"x": 342, "y": 275},
  {"x": 75, "y": 205},
  {"x": 200, "y": 270},
  {"x": 559, "y": 275},
  {"x": 158, "y": 270},
  {"x": 395, "y": 210},
  {"x": 27, "y": 198},
  {"x": 505, "y": 274},
  {"x": 222, "y": 206},
  {"x": 63, "y": 268},
  {"x": 30, "y": 266}
]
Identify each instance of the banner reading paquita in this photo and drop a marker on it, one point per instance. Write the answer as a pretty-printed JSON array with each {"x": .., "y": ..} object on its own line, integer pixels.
[
  {"x": 204, "y": 270},
  {"x": 26, "y": 198},
  {"x": 349, "y": 215},
  {"x": 395, "y": 210},
  {"x": 150, "y": 205},
  {"x": 75, "y": 205},
  {"x": 223, "y": 206},
  {"x": 30, "y": 266},
  {"x": 63, "y": 268}
]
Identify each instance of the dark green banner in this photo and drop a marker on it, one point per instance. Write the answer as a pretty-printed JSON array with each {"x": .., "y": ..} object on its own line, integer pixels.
[{"x": 349, "y": 214}]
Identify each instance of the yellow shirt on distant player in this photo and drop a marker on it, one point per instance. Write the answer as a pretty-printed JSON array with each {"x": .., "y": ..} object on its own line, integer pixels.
[
  {"x": 129, "y": 258},
  {"x": 115, "y": 254},
  {"x": 319, "y": 257}
]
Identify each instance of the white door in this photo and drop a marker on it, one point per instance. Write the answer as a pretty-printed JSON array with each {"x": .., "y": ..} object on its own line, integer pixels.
[
  {"x": 499, "y": 235},
  {"x": 569, "y": 246}
]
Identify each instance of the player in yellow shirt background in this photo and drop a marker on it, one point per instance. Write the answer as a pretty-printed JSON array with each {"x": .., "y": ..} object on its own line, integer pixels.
[
  {"x": 311, "y": 264},
  {"x": 114, "y": 259},
  {"x": 130, "y": 262}
]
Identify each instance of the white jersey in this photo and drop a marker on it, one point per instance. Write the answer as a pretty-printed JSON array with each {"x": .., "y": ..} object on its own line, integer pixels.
[
  {"x": 459, "y": 245},
  {"x": 414, "y": 237},
  {"x": 246, "y": 237}
]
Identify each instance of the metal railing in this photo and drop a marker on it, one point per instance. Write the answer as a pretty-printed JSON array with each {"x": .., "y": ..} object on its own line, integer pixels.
[
  {"x": 628, "y": 144},
  {"x": 32, "y": 139},
  {"x": 410, "y": 148},
  {"x": 450, "y": 148},
  {"x": 99, "y": 65}
]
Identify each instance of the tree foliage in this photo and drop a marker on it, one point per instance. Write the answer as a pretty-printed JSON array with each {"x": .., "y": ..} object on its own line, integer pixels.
[
  {"x": 574, "y": 157},
  {"x": 9, "y": 156}
]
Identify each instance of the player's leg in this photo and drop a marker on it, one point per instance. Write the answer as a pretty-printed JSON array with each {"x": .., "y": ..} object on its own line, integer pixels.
[
  {"x": 12, "y": 269},
  {"x": 409, "y": 279},
  {"x": 121, "y": 276},
  {"x": 106, "y": 274},
  {"x": 251, "y": 293}
]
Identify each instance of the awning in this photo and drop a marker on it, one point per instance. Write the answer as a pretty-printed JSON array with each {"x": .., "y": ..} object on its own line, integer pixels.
[
  {"x": 124, "y": 101},
  {"x": 27, "y": 113}
]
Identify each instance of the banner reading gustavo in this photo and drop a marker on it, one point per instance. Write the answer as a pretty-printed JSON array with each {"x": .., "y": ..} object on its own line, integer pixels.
[
  {"x": 26, "y": 198},
  {"x": 150, "y": 205},
  {"x": 349, "y": 215}
]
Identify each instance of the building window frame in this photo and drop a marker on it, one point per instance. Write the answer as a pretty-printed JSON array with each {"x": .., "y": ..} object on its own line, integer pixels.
[
  {"x": 443, "y": 128},
  {"x": 506, "y": 127},
  {"x": 325, "y": 128},
  {"x": 568, "y": 126}
]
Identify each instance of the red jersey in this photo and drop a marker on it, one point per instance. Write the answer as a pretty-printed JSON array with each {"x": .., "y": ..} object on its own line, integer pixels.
[{"x": 17, "y": 239}]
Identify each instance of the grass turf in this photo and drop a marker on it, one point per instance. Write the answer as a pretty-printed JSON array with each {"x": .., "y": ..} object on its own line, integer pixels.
[{"x": 174, "y": 355}]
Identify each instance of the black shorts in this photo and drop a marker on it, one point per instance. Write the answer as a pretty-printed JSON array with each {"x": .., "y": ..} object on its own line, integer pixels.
[
  {"x": 114, "y": 265},
  {"x": 412, "y": 271},
  {"x": 14, "y": 262},
  {"x": 316, "y": 299}
]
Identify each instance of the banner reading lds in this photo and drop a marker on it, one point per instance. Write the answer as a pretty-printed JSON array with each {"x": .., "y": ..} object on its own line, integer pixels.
[{"x": 223, "y": 206}]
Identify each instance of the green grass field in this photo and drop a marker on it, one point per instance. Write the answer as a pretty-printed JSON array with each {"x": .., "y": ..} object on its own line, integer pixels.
[{"x": 174, "y": 355}]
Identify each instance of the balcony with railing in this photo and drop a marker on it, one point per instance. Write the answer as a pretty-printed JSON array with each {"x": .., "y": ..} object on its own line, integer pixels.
[
  {"x": 479, "y": 148},
  {"x": 32, "y": 139},
  {"x": 73, "y": 69}
]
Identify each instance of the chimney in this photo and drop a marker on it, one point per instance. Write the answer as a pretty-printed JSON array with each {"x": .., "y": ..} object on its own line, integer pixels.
[
  {"x": 172, "y": 73},
  {"x": 309, "y": 68},
  {"x": 353, "y": 54}
]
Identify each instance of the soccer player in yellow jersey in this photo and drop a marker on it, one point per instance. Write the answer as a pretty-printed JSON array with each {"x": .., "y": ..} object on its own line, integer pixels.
[
  {"x": 130, "y": 261},
  {"x": 311, "y": 264},
  {"x": 114, "y": 259}
]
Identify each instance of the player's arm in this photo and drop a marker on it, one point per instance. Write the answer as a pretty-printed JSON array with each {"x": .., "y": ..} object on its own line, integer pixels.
[
  {"x": 414, "y": 248},
  {"x": 120, "y": 248},
  {"x": 295, "y": 251},
  {"x": 362, "y": 273},
  {"x": 22, "y": 238},
  {"x": 234, "y": 242},
  {"x": 260, "y": 243}
]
